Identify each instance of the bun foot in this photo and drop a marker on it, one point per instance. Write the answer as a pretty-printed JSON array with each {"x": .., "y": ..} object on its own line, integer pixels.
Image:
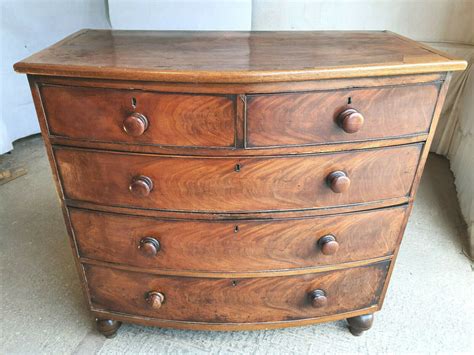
[
  {"x": 359, "y": 324},
  {"x": 108, "y": 327}
]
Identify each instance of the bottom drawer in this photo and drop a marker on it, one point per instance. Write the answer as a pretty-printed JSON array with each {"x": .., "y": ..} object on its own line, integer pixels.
[{"x": 239, "y": 300}]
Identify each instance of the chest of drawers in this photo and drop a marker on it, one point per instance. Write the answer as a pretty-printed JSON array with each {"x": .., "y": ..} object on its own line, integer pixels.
[{"x": 236, "y": 180}]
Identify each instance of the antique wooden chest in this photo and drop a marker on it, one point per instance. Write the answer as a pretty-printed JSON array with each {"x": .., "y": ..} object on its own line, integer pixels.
[{"x": 236, "y": 180}]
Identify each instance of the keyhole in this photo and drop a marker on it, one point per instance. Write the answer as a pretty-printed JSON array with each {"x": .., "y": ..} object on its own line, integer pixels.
[
  {"x": 237, "y": 167},
  {"x": 134, "y": 102},
  {"x": 236, "y": 229},
  {"x": 349, "y": 100},
  {"x": 234, "y": 283}
]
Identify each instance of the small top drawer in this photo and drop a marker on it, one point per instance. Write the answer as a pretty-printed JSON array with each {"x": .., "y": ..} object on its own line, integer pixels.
[
  {"x": 339, "y": 116},
  {"x": 139, "y": 117}
]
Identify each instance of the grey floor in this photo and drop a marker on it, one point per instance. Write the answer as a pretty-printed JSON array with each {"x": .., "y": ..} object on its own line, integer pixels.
[{"x": 428, "y": 308}]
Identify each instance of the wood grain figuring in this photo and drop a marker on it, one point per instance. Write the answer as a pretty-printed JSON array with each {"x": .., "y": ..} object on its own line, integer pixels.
[
  {"x": 235, "y": 57},
  {"x": 311, "y": 118},
  {"x": 232, "y": 275},
  {"x": 229, "y": 326},
  {"x": 173, "y": 119},
  {"x": 235, "y": 246},
  {"x": 236, "y": 180},
  {"x": 241, "y": 88},
  {"x": 213, "y": 184},
  {"x": 239, "y": 300},
  {"x": 263, "y": 215},
  {"x": 256, "y": 152}
]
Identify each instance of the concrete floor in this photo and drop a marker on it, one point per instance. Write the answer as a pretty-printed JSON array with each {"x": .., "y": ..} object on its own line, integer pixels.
[{"x": 428, "y": 308}]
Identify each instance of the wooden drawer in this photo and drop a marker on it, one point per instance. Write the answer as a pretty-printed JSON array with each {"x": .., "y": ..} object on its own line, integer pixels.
[
  {"x": 172, "y": 119},
  {"x": 236, "y": 246},
  {"x": 245, "y": 300},
  {"x": 312, "y": 118},
  {"x": 235, "y": 184}
]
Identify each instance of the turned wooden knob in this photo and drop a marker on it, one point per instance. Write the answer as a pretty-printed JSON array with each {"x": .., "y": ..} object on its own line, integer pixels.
[
  {"x": 318, "y": 298},
  {"x": 135, "y": 124},
  {"x": 350, "y": 120},
  {"x": 149, "y": 246},
  {"x": 155, "y": 299},
  {"x": 338, "y": 181},
  {"x": 141, "y": 186},
  {"x": 328, "y": 244}
]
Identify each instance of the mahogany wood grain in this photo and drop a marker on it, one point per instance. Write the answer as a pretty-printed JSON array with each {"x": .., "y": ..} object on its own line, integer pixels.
[
  {"x": 232, "y": 275},
  {"x": 226, "y": 326},
  {"x": 235, "y": 57},
  {"x": 236, "y": 245},
  {"x": 313, "y": 118},
  {"x": 253, "y": 152},
  {"x": 239, "y": 300},
  {"x": 203, "y": 173},
  {"x": 242, "y": 88},
  {"x": 261, "y": 215},
  {"x": 213, "y": 184},
  {"x": 172, "y": 119}
]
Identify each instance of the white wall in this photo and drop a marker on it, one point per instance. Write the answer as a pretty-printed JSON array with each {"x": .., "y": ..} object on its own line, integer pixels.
[
  {"x": 199, "y": 15},
  {"x": 423, "y": 20},
  {"x": 461, "y": 156},
  {"x": 28, "y": 26}
]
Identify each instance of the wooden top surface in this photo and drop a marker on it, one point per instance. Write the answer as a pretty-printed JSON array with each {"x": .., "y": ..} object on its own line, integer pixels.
[{"x": 235, "y": 57}]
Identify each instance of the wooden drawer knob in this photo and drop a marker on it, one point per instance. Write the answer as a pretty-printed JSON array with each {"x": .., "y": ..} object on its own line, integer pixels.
[
  {"x": 328, "y": 244},
  {"x": 350, "y": 120},
  {"x": 141, "y": 186},
  {"x": 318, "y": 298},
  {"x": 149, "y": 246},
  {"x": 155, "y": 299},
  {"x": 135, "y": 124},
  {"x": 338, "y": 181}
]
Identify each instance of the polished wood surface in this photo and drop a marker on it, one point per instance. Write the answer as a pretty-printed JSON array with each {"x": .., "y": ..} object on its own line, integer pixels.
[
  {"x": 245, "y": 180},
  {"x": 235, "y": 300},
  {"x": 314, "y": 118},
  {"x": 155, "y": 299},
  {"x": 223, "y": 245},
  {"x": 338, "y": 181},
  {"x": 244, "y": 88},
  {"x": 107, "y": 116},
  {"x": 318, "y": 298},
  {"x": 213, "y": 184},
  {"x": 235, "y": 57},
  {"x": 328, "y": 244},
  {"x": 108, "y": 327},
  {"x": 225, "y": 326},
  {"x": 350, "y": 120},
  {"x": 360, "y": 324},
  {"x": 135, "y": 124}
]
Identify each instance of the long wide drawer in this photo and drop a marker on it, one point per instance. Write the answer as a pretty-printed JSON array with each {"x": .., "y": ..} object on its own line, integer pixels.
[
  {"x": 339, "y": 115},
  {"x": 139, "y": 117},
  {"x": 236, "y": 246},
  {"x": 237, "y": 184},
  {"x": 266, "y": 299}
]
